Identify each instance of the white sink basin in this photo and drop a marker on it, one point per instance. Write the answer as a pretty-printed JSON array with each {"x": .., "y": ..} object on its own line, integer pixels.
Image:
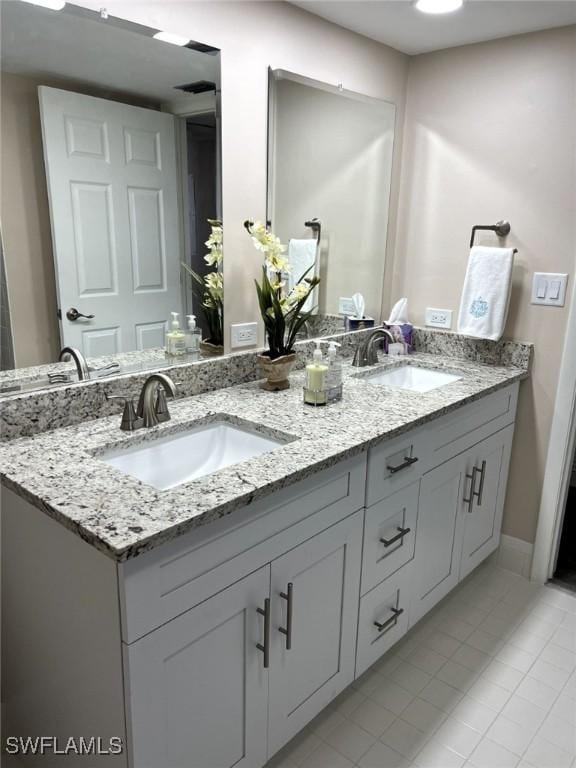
[
  {"x": 413, "y": 378},
  {"x": 185, "y": 456}
]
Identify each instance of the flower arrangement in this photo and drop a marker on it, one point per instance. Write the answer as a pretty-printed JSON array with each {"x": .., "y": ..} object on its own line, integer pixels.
[
  {"x": 211, "y": 286},
  {"x": 281, "y": 312}
]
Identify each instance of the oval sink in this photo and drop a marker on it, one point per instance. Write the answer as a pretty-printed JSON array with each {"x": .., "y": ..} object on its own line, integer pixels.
[
  {"x": 411, "y": 377},
  {"x": 178, "y": 458}
]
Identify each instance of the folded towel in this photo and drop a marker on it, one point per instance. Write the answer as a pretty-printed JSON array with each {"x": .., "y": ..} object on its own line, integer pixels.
[
  {"x": 486, "y": 292},
  {"x": 302, "y": 256}
]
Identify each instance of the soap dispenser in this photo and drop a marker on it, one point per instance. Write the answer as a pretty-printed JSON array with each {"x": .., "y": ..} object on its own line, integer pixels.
[
  {"x": 193, "y": 335},
  {"x": 334, "y": 375},
  {"x": 316, "y": 371},
  {"x": 175, "y": 338}
]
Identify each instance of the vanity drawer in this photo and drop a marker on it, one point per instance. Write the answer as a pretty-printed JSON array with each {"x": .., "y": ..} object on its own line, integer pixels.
[
  {"x": 389, "y": 535},
  {"x": 157, "y": 586},
  {"x": 383, "y": 618},
  {"x": 396, "y": 463},
  {"x": 458, "y": 431}
]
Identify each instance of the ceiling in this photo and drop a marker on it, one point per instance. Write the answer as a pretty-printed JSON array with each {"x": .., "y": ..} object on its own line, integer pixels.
[
  {"x": 397, "y": 22},
  {"x": 78, "y": 47}
]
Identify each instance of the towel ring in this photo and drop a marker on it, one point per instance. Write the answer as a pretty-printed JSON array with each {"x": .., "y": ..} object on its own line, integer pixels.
[
  {"x": 501, "y": 228},
  {"x": 316, "y": 227}
]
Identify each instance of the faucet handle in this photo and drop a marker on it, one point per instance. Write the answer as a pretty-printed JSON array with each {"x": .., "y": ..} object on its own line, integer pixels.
[
  {"x": 161, "y": 406},
  {"x": 129, "y": 421}
]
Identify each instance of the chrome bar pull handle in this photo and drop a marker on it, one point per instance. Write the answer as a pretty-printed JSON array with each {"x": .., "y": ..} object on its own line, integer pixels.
[
  {"x": 400, "y": 535},
  {"x": 408, "y": 461},
  {"x": 382, "y": 626},
  {"x": 287, "y": 630},
  {"x": 265, "y": 648},
  {"x": 480, "y": 490},
  {"x": 470, "y": 499}
]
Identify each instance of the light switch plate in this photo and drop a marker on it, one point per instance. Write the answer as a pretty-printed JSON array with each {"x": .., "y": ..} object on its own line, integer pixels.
[
  {"x": 243, "y": 334},
  {"x": 549, "y": 288},
  {"x": 438, "y": 318}
]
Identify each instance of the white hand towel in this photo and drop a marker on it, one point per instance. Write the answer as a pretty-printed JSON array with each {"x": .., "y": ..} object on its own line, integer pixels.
[
  {"x": 486, "y": 292},
  {"x": 302, "y": 256}
]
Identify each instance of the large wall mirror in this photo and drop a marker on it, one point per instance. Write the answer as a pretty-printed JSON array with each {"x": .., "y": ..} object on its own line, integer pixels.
[
  {"x": 111, "y": 174},
  {"x": 329, "y": 169}
]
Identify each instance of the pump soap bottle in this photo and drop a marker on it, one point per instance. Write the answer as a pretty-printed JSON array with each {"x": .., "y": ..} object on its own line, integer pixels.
[
  {"x": 193, "y": 335},
  {"x": 175, "y": 338},
  {"x": 315, "y": 389}
]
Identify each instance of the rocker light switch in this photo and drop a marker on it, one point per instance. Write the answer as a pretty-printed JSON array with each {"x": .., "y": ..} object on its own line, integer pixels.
[{"x": 549, "y": 288}]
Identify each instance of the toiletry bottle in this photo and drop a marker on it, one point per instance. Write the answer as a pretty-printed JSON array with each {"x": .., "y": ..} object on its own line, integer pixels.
[
  {"x": 175, "y": 338},
  {"x": 315, "y": 389},
  {"x": 334, "y": 375},
  {"x": 193, "y": 335}
]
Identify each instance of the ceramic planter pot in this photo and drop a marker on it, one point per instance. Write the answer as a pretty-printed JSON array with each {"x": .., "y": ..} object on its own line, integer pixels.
[
  {"x": 276, "y": 371},
  {"x": 211, "y": 350}
]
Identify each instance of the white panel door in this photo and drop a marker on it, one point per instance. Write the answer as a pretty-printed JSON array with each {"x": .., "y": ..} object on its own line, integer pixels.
[
  {"x": 325, "y": 576},
  {"x": 483, "y": 515},
  {"x": 438, "y": 536},
  {"x": 197, "y": 687},
  {"x": 112, "y": 185}
]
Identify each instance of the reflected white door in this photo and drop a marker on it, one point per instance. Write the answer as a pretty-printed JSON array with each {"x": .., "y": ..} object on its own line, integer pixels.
[{"x": 112, "y": 186}]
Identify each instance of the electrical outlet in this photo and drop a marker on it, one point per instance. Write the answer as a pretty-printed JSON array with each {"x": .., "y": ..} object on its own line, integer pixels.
[
  {"x": 346, "y": 306},
  {"x": 243, "y": 334},
  {"x": 438, "y": 318}
]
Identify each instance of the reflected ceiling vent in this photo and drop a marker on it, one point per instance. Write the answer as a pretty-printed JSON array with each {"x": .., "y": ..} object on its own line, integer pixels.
[
  {"x": 200, "y": 86},
  {"x": 201, "y": 48}
]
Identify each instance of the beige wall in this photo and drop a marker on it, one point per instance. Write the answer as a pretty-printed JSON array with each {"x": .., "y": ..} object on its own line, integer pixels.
[
  {"x": 254, "y": 36},
  {"x": 26, "y": 225},
  {"x": 491, "y": 133}
]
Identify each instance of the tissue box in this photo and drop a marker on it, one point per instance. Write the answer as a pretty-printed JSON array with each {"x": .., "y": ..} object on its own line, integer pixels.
[
  {"x": 402, "y": 333},
  {"x": 356, "y": 324}
]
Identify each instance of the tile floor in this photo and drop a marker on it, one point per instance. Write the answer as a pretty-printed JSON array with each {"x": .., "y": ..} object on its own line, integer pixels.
[{"x": 487, "y": 680}]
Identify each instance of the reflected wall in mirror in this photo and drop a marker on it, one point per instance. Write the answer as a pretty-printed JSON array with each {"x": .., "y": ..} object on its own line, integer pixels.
[
  {"x": 111, "y": 171},
  {"x": 329, "y": 170}
]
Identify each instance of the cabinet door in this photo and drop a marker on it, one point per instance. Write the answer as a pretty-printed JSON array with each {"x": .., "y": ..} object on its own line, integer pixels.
[
  {"x": 311, "y": 664},
  {"x": 488, "y": 462},
  {"x": 438, "y": 537},
  {"x": 197, "y": 687}
]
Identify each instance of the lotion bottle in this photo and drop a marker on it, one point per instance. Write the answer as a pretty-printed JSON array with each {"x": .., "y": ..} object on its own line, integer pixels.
[{"x": 175, "y": 338}]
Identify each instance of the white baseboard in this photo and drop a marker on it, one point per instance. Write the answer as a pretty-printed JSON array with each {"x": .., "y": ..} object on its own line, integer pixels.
[{"x": 515, "y": 555}]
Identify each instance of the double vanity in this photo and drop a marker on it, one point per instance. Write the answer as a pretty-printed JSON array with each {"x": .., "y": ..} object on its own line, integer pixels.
[{"x": 204, "y": 588}]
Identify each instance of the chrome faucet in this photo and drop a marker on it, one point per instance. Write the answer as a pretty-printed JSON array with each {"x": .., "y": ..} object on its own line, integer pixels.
[
  {"x": 365, "y": 353},
  {"x": 152, "y": 406},
  {"x": 79, "y": 359}
]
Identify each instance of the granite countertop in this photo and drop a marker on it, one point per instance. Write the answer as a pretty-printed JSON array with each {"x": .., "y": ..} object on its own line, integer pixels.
[{"x": 60, "y": 471}]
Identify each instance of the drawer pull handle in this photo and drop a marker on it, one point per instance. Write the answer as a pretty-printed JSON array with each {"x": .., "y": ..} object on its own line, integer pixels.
[
  {"x": 289, "y": 597},
  {"x": 397, "y": 612},
  {"x": 470, "y": 499},
  {"x": 408, "y": 461},
  {"x": 266, "y": 647},
  {"x": 399, "y": 536},
  {"x": 480, "y": 490}
]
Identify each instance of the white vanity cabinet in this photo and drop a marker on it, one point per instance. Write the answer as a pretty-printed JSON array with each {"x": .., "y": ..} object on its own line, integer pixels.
[
  {"x": 229, "y": 639},
  {"x": 232, "y": 679},
  {"x": 197, "y": 688}
]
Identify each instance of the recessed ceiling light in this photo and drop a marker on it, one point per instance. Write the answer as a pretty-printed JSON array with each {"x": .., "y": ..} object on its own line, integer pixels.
[
  {"x": 54, "y": 5},
  {"x": 438, "y": 6},
  {"x": 168, "y": 37}
]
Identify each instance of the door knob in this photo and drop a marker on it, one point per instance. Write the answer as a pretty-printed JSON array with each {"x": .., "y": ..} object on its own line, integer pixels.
[{"x": 72, "y": 314}]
